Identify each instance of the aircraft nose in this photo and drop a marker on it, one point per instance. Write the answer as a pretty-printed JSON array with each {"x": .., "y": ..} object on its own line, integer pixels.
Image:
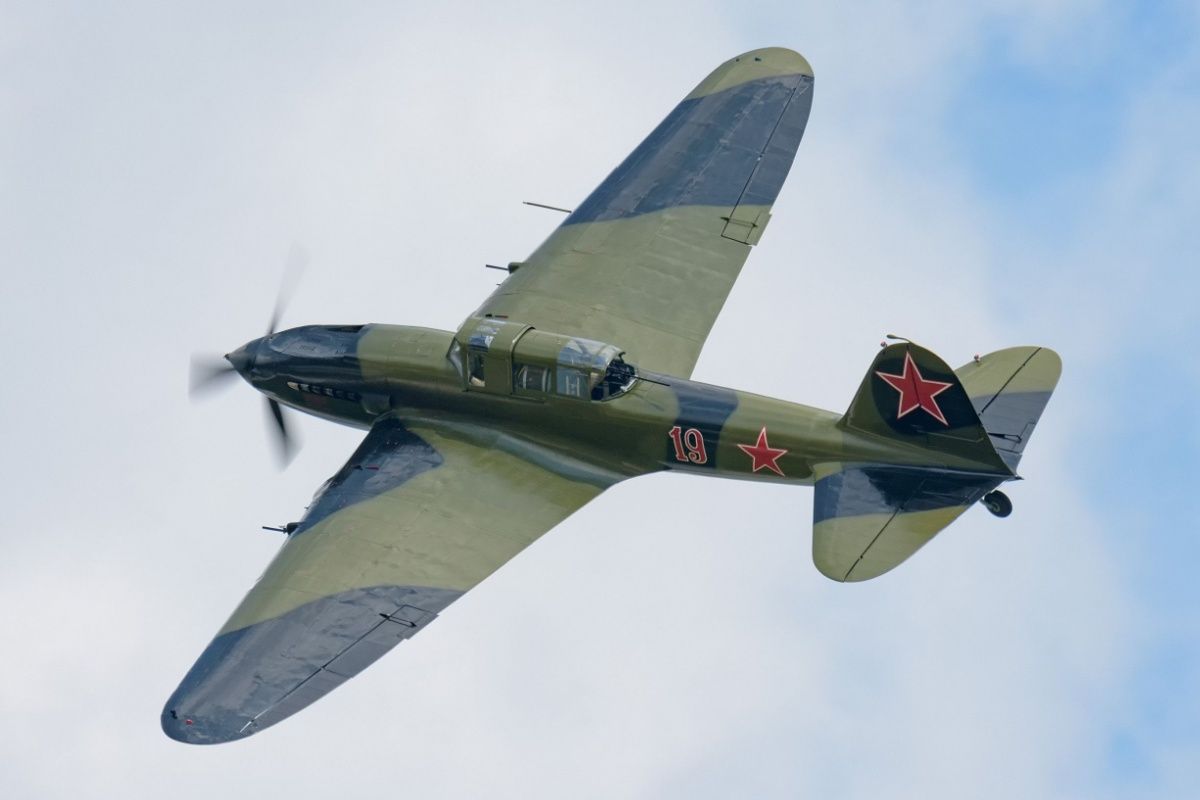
[{"x": 242, "y": 359}]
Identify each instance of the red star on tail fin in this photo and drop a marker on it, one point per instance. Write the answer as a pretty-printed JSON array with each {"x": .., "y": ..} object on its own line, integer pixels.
[{"x": 915, "y": 391}]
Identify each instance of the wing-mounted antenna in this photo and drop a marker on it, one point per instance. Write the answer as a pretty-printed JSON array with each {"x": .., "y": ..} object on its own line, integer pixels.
[
  {"x": 513, "y": 266},
  {"x": 543, "y": 205}
]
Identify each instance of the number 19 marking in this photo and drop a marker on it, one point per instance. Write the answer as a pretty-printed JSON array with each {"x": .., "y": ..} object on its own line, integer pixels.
[{"x": 689, "y": 445}]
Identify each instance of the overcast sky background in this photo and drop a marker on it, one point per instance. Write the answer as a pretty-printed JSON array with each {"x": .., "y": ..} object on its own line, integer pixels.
[{"x": 972, "y": 178}]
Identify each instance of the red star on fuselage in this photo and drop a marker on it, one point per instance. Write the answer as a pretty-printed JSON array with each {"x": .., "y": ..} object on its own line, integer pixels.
[
  {"x": 763, "y": 455},
  {"x": 915, "y": 391}
]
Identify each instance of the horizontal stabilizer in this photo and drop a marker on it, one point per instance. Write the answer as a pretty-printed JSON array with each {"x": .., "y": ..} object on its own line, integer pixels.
[
  {"x": 1009, "y": 390},
  {"x": 869, "y": 518}
]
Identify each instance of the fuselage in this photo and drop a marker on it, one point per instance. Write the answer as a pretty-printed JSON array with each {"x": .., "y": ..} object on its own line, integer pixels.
[{"x": 355, "y": 375}]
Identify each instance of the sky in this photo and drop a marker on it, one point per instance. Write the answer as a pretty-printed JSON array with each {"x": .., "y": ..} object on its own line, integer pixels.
[{"x": 973, "y": 176}]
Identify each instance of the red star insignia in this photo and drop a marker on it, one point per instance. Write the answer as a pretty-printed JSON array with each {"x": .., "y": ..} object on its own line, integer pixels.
[
  {"x": 763, "y": 455},
  {"x": 915, "y": 391}
]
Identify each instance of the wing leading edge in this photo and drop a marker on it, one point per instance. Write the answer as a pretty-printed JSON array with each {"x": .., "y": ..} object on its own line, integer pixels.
[
  {"x": 648, "y": 259},
  {"x": 413, "y": 520}
]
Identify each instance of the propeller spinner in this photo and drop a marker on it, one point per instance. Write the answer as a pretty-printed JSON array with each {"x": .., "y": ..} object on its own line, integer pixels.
[{"x": 209, "y": 373}]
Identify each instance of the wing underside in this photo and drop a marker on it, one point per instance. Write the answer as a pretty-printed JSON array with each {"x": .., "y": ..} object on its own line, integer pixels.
[
  {"x": 648, "y": 259},
  {"x": 414, "y": 519}
]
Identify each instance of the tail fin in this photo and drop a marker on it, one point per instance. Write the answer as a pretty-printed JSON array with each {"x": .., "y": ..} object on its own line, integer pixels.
[
  {"x": 910, "y": 396},
  {"x": 869, "y": 518}
]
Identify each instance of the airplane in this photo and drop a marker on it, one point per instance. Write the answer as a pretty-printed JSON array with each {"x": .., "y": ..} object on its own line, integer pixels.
[{"x": 572, "y": 376}]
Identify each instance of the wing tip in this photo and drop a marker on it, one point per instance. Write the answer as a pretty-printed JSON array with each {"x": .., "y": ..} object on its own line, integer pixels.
[
  {"x": 192, "y": 730},
  {"x": 765, "y": 62},
  {"x": 788, "y": 61}
]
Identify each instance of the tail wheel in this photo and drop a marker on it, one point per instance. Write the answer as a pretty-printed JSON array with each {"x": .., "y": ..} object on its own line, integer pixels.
[{"x": 997, "y": 503}]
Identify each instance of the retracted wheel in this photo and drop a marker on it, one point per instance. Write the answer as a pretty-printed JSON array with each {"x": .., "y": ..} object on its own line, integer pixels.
[{"x": 997, "y": 503}]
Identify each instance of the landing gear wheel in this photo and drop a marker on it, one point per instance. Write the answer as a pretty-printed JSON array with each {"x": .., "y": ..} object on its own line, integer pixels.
[{"x": 997, "y": 503}]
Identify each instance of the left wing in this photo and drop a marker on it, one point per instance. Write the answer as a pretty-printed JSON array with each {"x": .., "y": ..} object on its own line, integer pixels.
[{"x": 413, "y": 520}]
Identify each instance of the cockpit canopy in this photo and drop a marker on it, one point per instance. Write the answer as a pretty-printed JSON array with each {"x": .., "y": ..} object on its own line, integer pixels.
[{"x": 503, "y": 357}]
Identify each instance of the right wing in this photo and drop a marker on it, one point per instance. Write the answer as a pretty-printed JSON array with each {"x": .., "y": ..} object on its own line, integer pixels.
[
  {"x": 414, "y": 519},
  {"x": 646, "y": 262}
]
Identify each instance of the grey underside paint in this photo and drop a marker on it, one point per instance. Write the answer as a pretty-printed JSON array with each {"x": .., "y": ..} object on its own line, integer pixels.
[
  {"x": 251, "y": 678},
  {"x": 874, "y": 489},
  {"x": 389, "y": 456},
  {"x": 729, "y": 147},
  {"x": 1009, "y": 418}
]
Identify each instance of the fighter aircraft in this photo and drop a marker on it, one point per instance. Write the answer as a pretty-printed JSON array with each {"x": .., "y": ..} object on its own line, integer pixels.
[{"x": 574, "y": 375}]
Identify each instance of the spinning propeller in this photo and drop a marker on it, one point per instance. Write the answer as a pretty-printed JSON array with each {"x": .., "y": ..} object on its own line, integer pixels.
[{"x": 209, "y": 373}]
